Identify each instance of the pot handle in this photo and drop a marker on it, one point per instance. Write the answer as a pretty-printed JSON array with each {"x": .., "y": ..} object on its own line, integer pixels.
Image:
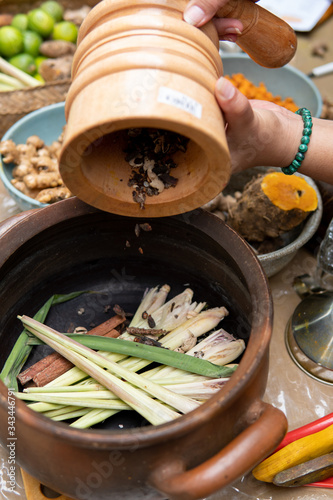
[
  {"x": 266, "y": 38},
  {"x": 260, "y": 438}
]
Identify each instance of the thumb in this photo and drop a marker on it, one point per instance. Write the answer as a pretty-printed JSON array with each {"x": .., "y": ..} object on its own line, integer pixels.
[{"x": 236, "y": 107}]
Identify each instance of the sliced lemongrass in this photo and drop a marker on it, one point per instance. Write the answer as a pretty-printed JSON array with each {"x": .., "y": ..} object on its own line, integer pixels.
[
  {"x": 199, "y": 325},
  {"x": 152, "y": 296},
  {"x": 155, "y": 412},
  {"x": 173, "y": 311},
  {"x": 178, "y": 402},
  {"x": 199, "y": 390},
  {"x": 219, "y": 348},
  {"x": 190, "y": 329}
]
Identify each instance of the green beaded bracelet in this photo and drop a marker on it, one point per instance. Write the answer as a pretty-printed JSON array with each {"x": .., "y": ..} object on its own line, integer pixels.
[{"x": 303, "y": 147}]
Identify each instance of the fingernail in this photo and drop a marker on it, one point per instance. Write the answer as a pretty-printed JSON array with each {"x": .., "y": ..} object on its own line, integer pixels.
[
  {"x": 230, "y": 38},
  {"x": 232, "y": 31},
  {"x": 194, "y": 15},
  {"x": 225, "y": 89}
]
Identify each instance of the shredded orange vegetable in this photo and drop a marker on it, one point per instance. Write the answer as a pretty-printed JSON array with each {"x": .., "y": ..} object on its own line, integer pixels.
[{"x": 259, "y": 92}]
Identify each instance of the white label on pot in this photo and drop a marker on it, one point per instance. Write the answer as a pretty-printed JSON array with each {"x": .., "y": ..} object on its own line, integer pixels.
[{"x": 179, "y": 100}]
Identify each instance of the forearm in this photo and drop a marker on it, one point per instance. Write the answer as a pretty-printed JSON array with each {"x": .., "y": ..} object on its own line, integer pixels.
[
  {"x": 283, "y": 140},
  {"x": 318, "y": 161}
]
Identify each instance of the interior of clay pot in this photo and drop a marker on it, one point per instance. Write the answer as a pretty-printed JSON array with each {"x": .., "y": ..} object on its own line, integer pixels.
[{"x": 100, "y": 253}]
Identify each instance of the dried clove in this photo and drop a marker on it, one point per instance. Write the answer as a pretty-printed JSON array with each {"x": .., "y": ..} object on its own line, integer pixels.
[
  {"x": 148, "y": 152},
  {"x": 151, "y": 321}
]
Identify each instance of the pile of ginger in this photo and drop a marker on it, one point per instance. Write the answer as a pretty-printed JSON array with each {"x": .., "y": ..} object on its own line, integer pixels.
[{"x": 36, "y": 171}]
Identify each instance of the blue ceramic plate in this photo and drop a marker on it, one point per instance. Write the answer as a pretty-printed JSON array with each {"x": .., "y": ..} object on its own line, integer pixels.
[
  {"x": 285, "y": 82},
  {"x": 45, "y": 122}
]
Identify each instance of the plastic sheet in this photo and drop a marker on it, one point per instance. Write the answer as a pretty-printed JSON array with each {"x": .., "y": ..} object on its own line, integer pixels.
[{"x": 300, "y": 397}]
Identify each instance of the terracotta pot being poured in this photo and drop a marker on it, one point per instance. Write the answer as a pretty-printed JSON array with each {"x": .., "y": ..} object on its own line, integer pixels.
[{"x": 140, "y": 65}]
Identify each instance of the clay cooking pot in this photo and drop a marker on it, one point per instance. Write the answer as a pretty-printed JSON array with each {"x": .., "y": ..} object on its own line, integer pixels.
[{"x": 71, "y": 246}]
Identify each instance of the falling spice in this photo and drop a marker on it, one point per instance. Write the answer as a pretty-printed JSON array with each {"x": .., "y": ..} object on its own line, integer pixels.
[{"x": 149, "y": 153}]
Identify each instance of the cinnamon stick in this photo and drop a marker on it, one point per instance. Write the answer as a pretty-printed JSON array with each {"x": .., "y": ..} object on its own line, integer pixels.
[{"x": 54, "y": 365}]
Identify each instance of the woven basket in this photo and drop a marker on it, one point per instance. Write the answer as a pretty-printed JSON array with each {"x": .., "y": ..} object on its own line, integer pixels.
[
  {"x": 18, "y": 103},
  {"x": 14, "y": 105}
]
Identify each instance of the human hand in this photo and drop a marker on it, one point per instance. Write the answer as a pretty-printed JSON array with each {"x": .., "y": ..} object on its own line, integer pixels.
[
  {"x": 199, "y": 12},
  {"x": 259, "y": 133}
]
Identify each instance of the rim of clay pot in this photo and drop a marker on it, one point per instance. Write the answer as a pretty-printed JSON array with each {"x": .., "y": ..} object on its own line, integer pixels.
[{"x": 39, "y": 220}]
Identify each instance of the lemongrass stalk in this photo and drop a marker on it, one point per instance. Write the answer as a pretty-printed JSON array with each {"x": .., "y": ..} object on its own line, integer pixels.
[
  {"x": 4, "y": 87},
  {"x": 42, "y": 407},
  {"x": 112, "y": 404},
  {"x": 66, "y": 396},
  {"x": 66, "y": 388},
  {"x": 91, "y": 418},
  {"x": 12, "y": 82},
  {"x": 178, "y": 402},
  {"x": 23, "y": 77},
  {"x": 155, "y": 412},
  {"x": 67, "y": 416},
  {"x": 65, "y": 410}
]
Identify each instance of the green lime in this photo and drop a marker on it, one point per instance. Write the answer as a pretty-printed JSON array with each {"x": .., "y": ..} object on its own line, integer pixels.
[
  {"x": 54, "y": 9},
  {"x": 11, "y": 41},
  {"x": 24, "y": 62},
  {"x": 65, "y": 31},
  {"x": 31, "y": 42},
  {"x": 38, "y": 61},
  {"x": 39, "y": 77},
  {"x": 20, "y": 21},
  {"x": 41, "y": 22}
]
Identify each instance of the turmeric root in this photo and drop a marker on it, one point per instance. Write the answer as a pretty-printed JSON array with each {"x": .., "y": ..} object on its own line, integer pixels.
[{"x": 271, "y": 205}]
